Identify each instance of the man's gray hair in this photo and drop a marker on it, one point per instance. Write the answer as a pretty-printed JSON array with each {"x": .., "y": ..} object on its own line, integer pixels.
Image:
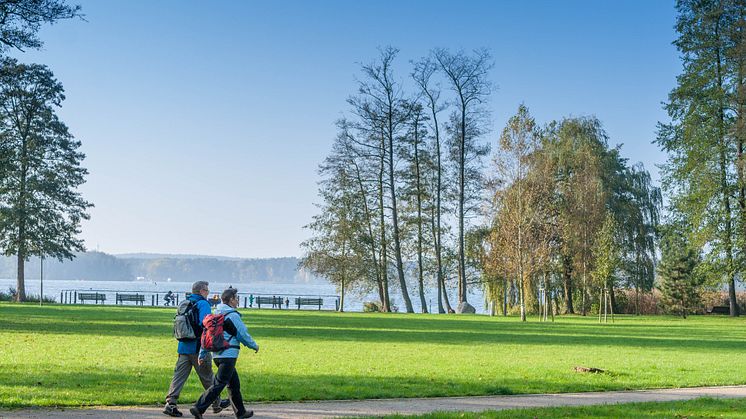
[{"x": 199, "y": 286}]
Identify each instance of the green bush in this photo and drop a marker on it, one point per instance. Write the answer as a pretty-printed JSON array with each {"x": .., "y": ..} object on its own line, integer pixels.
[
  {"x": 10, "y": 295},
  {"x": 371, "y": 307}
]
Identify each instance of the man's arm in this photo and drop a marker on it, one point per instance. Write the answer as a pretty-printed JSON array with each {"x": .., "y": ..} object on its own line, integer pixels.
[{"x": 204, "y": 310}]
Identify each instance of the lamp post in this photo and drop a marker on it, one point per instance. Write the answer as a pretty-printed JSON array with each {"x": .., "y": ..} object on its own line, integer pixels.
[{"x": 41, "y": 279}]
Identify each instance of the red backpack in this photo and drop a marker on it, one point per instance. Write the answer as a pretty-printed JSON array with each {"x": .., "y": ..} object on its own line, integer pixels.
[{"x": 213, "y": 339}]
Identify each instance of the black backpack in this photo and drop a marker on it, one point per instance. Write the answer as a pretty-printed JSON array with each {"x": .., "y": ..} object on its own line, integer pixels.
[{"x": 186, "y": 321}]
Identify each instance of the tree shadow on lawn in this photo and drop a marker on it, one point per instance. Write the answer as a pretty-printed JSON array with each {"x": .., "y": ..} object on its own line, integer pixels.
[
  {"x": 504, "y": 335},
  {"x": 384, "y": 329},
  {"x": 113, "y": 386}
]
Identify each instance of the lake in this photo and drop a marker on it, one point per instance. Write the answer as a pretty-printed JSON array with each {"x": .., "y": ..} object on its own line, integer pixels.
[{"x": 327, "y": 291}]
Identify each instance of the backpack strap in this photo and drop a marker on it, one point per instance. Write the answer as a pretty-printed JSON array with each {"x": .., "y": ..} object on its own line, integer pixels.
[{"x": 230, "y": 328}]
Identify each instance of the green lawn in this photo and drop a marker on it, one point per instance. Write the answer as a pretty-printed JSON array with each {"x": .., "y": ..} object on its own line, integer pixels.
[
  {"x": 86, "y": 355},
  {"x": 699, "y": 408}
]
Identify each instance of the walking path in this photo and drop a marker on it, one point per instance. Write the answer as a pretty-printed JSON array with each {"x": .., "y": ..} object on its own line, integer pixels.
[{"x": 326, "y": 409}]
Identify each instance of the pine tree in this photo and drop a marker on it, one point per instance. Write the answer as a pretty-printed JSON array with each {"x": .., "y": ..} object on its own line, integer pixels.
[
  {"x": 701, "y": 175},
  {"x": 678, "y": 282},
  {"x": 40, "y": 207}
]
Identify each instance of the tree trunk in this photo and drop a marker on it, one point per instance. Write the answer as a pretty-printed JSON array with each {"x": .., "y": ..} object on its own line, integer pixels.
[
  {"x": 583, "y": 294},
  {"x": 386, "y": 303},
  {"x": 438, "y": 189},
  {"x": 555, "y": 305},
  {"x": 521, "y": 298},
  {"x": 439, "y": 274},
  {"x": 369, "y": 224},
  {"x": 638, "y": 283},
  {"x": 421, "y": 279},
  {"x": 22, "y": 251},
  {"x": 342, "y": 297},
  {"x": 725, "y": 191},
  {"x": 461, "y": 201},
  {"x": 395, "y": 217},
  {"x": 567, "y": 282},
  {"x": 420, "y": 265},
  {"x": 21, "y": 285},
  {"x": 547, "y": 301},
  {"x": 505, "y": 297},
  {"x": 442, "y": 290},
  {"x": 612, "y": 299},
  {"x": 440, "y": 297},
  {"x": 446, "y": 301}
]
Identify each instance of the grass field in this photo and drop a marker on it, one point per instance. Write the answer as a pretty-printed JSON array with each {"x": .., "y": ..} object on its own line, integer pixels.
[
  {"x": 87, "y": 355},
  {"x": 692, "y": 409}
]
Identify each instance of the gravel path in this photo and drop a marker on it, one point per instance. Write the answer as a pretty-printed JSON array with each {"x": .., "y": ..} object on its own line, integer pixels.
[{"x": 326, "y": 409}]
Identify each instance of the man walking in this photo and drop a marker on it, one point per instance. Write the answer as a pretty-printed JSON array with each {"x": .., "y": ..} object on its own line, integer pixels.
[
  {"x": 234, "y": 333},
  {"x": 188, "y": 351}
]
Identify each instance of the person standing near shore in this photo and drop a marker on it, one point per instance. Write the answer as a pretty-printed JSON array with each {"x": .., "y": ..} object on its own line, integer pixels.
[
  {"x": 235, "y": 333},
  {"x": 187, "y": 359}
]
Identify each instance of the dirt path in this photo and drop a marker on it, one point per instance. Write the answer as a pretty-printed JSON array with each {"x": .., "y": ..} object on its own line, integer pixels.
[{"x": 326, "y": 409}]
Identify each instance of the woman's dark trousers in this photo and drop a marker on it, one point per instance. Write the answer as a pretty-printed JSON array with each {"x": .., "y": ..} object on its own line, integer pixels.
[{"x": 225, "y": 376}]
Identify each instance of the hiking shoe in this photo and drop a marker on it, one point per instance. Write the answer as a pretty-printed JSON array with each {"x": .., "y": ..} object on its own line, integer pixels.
[
  {"x": 195, "y": 412},
  {"x": 219, "y": 407},
  {"x": 248, "y": 414},
  {"x": 172, "y": 410}
]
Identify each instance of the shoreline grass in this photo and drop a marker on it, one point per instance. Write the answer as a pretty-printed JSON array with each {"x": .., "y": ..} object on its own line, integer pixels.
[{"x": 87, "y": 355}]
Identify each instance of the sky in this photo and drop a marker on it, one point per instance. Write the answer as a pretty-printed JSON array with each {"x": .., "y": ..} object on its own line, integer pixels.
[{"x": 203, "y": 123}]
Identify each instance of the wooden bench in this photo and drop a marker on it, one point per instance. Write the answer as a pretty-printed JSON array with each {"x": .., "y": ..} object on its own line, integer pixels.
[
  {"x": 309, "y": 302},
  {"x": 276, "y": 301},
  {"x": 137, "y": 298},
  {"x": 91, "y": 296},
  {"x": 719, "y": 310}
]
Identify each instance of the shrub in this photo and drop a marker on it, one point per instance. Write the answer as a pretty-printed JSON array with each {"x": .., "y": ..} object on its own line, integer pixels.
[
  {"x": 34, "y": 298},
  {"x": 10, "y": 295},
  {"x": 371, "y": 307},
  {"x": 627, "y": 300}
]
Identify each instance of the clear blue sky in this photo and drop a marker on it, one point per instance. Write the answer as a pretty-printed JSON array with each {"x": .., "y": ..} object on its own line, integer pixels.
[{"x": 204, "y": 122}]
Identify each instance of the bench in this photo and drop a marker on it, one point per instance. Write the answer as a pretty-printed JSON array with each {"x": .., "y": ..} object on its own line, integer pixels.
[
  {"x": 719, "y": 310},
  {"x": 309, "y": 302},
  {"x": 91, "y": 296},
  {"x": 137, "y": 298},
  {"x": 275, "y": 301}
]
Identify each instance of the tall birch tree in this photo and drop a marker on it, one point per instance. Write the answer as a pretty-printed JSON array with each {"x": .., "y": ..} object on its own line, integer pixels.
[{"x": 467, "y": 77}]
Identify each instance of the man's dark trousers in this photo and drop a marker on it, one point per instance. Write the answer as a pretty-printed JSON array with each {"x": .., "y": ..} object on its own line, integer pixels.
[{"x": 225, "y": 376}]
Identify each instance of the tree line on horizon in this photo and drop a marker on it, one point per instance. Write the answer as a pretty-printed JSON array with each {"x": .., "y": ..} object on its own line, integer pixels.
[
  {"x": 99, "y": 266},
  {"x": 559, "y": 220}
]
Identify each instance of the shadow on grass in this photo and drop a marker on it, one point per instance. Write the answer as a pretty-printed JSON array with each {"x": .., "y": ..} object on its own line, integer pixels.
[
  {"x": 306, "y": 327},
  {"x": 113, "y": 386}
]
